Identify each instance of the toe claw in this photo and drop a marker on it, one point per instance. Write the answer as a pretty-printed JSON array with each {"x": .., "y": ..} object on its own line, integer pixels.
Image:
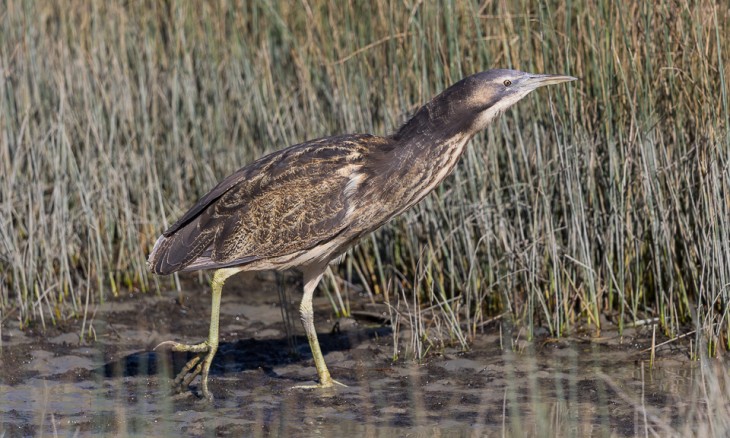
[{"x": 166, "y": 343}]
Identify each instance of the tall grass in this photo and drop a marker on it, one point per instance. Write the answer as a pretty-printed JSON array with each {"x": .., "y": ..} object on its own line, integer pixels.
[{"x": 604, "y": 201}]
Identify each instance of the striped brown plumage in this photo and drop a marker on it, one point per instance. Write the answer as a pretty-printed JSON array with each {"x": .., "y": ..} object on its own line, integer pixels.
[
  {"x": 305, "y": 205},
  {"x": 285, "y": 202},
  {"x": 320, "y": 197}
]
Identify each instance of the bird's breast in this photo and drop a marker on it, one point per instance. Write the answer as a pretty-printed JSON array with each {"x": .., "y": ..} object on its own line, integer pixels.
[
  {"x": 428, "y": 171},
  {"x": 412, "y": 172}
]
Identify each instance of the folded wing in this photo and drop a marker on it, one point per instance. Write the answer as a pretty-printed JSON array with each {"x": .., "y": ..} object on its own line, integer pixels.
[{"x": 285, "y": 202}]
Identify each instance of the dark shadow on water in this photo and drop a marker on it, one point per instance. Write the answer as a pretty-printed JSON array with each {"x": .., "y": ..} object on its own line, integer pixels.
[
  {"x": 241, "y": 355},
  {"x": 119, "y": 386}
]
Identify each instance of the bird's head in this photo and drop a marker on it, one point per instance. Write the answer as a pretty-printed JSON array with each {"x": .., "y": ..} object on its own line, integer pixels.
[
  {"x": 470, "y": 104},
  {"x": 489, "y": 93}
]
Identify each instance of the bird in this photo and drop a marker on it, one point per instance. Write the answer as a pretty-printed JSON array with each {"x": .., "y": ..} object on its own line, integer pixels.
[{"x": 305, "y": 205}]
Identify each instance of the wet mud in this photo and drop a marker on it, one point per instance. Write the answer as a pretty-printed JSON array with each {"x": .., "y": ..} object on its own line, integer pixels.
[{"x": 51, "y": 383}]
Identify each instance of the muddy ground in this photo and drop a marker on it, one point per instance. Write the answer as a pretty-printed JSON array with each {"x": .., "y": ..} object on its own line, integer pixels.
[{"x": 51, "y": 383}]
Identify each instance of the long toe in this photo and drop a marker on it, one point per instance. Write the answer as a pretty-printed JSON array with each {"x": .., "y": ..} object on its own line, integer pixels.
[
  {"x": 331, "y": 384},
  {"x": 177, "y": 346},
  {"x": 206, "y": 370},
  {"x": 188, "y": 372},
  {"x": 339, "y": 383},
  {"x": 199, "y": 364},
  {"x": 192, "y": 375}
]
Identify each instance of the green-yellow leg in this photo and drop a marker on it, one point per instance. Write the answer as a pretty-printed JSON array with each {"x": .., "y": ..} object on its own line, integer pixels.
[
  {"x": 311, "y": 279},
  {"x": 206, "y": 350}
]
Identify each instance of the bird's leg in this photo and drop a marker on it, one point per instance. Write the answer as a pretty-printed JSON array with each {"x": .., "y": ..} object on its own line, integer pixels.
[
  {"x": 311, "y": 279},
  {"x": 205, "y": 350}
]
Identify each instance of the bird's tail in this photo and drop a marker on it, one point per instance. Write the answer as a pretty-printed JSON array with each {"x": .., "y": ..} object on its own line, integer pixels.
[
  {"x": 155, "y": 261},
  {"x": 179, "y": 251}
]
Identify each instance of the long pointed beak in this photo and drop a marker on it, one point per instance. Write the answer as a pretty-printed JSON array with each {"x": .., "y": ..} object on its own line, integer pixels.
[{"x": 541, "y": 80}]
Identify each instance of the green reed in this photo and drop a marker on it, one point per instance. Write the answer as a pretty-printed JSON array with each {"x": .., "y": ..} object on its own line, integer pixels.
[{"x": 599, "y": 202}]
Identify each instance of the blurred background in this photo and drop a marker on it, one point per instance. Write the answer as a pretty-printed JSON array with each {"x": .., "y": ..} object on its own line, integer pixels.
[{"x": 602, "y": 203}]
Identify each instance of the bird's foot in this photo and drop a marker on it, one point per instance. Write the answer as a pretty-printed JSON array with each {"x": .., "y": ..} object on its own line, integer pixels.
[
  {"x": 200, "y": 363},
  {"x": 322, "y": 385}
]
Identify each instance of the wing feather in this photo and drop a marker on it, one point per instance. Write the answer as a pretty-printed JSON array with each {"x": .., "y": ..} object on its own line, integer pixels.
[{"x": 281, "y": 204}]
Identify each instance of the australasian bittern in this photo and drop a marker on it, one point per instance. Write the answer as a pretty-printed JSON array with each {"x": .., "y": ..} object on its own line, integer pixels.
[{"x": 304, "y": 206}]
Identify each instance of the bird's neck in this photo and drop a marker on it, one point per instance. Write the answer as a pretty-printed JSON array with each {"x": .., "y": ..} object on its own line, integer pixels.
[
  {"x": 418, "y": 161},
  {"x": 433, "y": 124},
  {"x": 421, "y": 154},
  {"x": 433, "y": 139},
  {"x": 432, "y": 155}
]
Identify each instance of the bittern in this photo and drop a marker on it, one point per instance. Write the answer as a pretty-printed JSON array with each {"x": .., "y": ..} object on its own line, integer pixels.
[{"x": 304, "y": 206}]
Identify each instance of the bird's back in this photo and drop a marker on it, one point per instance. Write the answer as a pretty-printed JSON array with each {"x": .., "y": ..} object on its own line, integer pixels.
[{"x": 283, "y": 204}]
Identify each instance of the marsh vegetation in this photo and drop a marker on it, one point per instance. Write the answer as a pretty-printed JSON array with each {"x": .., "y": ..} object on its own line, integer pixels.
[{"x": 597, "y": 207}]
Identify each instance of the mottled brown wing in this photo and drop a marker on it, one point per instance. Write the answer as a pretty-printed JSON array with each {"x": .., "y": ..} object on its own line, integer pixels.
[{"x": 286, "y": 202}]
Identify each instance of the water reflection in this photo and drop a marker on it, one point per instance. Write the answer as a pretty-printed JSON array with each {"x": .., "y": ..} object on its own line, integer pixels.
[{"x": 50, "y": 385}]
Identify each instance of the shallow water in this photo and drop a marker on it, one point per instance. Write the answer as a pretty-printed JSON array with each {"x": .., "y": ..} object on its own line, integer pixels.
[{"x": 51, "y": 384}]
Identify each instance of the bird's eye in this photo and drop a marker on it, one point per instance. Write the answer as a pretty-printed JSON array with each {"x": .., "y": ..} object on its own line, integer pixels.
[{"x": 507, "y": 82}]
